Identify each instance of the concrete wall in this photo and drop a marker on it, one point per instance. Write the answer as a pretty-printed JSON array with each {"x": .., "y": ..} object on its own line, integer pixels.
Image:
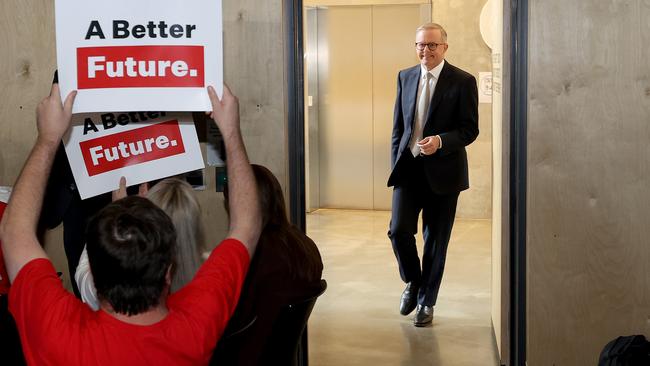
[
  {"x": 253, "y": 67},
  {"x": 588, "y": 177},
  {"x": 468, "y": 51}
]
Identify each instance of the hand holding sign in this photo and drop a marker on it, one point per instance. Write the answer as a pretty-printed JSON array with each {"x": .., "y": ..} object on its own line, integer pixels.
[
  {"x": 52, "y": 117},
  {"x": 225, "y": 111}
]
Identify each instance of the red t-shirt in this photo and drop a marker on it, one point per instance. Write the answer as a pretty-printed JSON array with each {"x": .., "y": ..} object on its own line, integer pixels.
[
  {"x": 58, "y": 329},
  {"x": 4, "y": 280}
]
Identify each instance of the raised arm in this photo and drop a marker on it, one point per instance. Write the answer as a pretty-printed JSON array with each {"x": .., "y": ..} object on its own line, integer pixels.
[
  {"x": 18, "y": 228},
  {"x": 245, "y": 215}
]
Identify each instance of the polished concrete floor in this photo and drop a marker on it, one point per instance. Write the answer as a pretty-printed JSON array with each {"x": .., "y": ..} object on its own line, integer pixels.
[{"x": 357, "y": 322}]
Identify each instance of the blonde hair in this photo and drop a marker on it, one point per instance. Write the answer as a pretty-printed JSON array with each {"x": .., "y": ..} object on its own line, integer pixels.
[
  {"x": 428, "y": 26},
  {"x": 176, "y": 197}
]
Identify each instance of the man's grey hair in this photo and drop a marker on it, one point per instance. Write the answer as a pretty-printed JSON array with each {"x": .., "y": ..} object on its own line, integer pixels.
[{"x": 428, "y": 26}]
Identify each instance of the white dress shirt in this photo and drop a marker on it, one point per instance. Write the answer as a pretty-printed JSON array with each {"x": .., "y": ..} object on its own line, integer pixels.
[
  {"x": 418, "y": 126},
  {"x": 85, "y": 282}
]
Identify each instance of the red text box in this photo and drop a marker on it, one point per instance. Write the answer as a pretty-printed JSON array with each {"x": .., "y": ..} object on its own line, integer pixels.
[
  {"x": 140, "y": 67},
  {"x": 137, "y": 146}
]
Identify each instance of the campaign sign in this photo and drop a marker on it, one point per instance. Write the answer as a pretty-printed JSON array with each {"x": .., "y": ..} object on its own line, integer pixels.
[
  {"x": 124, "y": 55},
  {"x": 141, "y": 146}
]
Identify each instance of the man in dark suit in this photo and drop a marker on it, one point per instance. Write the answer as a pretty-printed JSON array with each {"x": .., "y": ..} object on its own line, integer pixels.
[{"x": 436, "y": 116}]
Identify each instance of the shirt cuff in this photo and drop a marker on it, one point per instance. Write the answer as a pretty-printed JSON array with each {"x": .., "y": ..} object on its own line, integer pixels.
[{"x": 440, "y": 141}]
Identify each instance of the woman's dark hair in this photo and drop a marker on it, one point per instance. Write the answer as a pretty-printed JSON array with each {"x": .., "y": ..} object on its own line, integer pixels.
[
  {"x": 131, "y": 245},
  {"x": 304, "y": 260}
]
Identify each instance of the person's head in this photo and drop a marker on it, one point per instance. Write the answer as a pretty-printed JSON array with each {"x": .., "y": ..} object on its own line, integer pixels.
[
  {"x": 278, "y": 233},
  {"x": 131, "y": 244},
  {"x": 176, "y": 197},
  {"x": 269, "y": 191},
  {"x": 274, "y": 212},
  {"x": 430, "y": 44}
]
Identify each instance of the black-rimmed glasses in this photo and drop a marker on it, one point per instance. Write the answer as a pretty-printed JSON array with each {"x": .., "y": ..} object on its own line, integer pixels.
[{"x": 431, "y": 46}]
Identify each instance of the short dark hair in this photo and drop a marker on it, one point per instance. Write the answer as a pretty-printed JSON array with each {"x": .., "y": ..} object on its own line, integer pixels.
[{"x": 131, "y": 245}]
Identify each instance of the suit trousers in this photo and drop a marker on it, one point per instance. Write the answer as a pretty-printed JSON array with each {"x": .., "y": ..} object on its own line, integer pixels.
[{"x": 412, "y": 194}]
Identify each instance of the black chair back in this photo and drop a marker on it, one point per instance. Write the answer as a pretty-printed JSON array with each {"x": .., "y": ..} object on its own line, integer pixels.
[{"x": 282, "y": 347}]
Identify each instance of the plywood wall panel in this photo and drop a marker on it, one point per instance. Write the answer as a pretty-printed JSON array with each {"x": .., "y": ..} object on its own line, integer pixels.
[
  {"x": 27, "y": 62},
  {"x": 588, "y": 173}
]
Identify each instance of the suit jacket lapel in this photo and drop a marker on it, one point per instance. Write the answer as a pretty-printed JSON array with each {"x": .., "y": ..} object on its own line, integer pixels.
[
  {"x": 441, "y": 86},
  {"x": 411, "y": 91}
]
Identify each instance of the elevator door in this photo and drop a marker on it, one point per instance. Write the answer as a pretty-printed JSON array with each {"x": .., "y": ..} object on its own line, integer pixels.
[{"x": 360, "y": 51}]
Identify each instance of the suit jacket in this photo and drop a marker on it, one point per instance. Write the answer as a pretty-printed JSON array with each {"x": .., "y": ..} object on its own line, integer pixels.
[{"x": 453, "y": 114}]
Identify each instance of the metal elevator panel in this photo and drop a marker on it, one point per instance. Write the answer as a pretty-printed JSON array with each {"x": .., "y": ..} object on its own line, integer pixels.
[
  {"x": 393, "y": 49},
  {"x": 360, "y": 49},
  {"x": 345, "y": 115}
]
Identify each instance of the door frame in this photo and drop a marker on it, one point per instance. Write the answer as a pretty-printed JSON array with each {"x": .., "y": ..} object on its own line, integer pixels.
[
  {"x": 295, "y": 107},
  {"x": 518, "y": 99},
  {"x": 516, "y": 102},
  {"x": 295, "y": 78}
]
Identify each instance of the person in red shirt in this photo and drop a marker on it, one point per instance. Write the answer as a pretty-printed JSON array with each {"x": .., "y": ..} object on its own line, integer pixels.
[{"x": 130, "y": 250}]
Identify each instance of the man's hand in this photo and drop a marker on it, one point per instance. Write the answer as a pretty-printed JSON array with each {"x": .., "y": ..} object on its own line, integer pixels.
[
  {"x": 52, "y": 117},
  {"x": 429, "y": 145},
  {"x": 243, "y": 203},
  {"x": 225, "y": 111}
]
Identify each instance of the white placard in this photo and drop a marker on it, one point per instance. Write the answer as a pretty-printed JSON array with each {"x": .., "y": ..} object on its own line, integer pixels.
[
  {"x": 124, "y": 55},
  {"x": 485, "y": 87},
  {"x": 141, "y": 146}
]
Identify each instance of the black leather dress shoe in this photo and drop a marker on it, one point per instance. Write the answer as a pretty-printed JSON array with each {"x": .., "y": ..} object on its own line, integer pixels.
[
  {"x": 423, "y": 316},
  {"x": 409, "y": 299}
]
